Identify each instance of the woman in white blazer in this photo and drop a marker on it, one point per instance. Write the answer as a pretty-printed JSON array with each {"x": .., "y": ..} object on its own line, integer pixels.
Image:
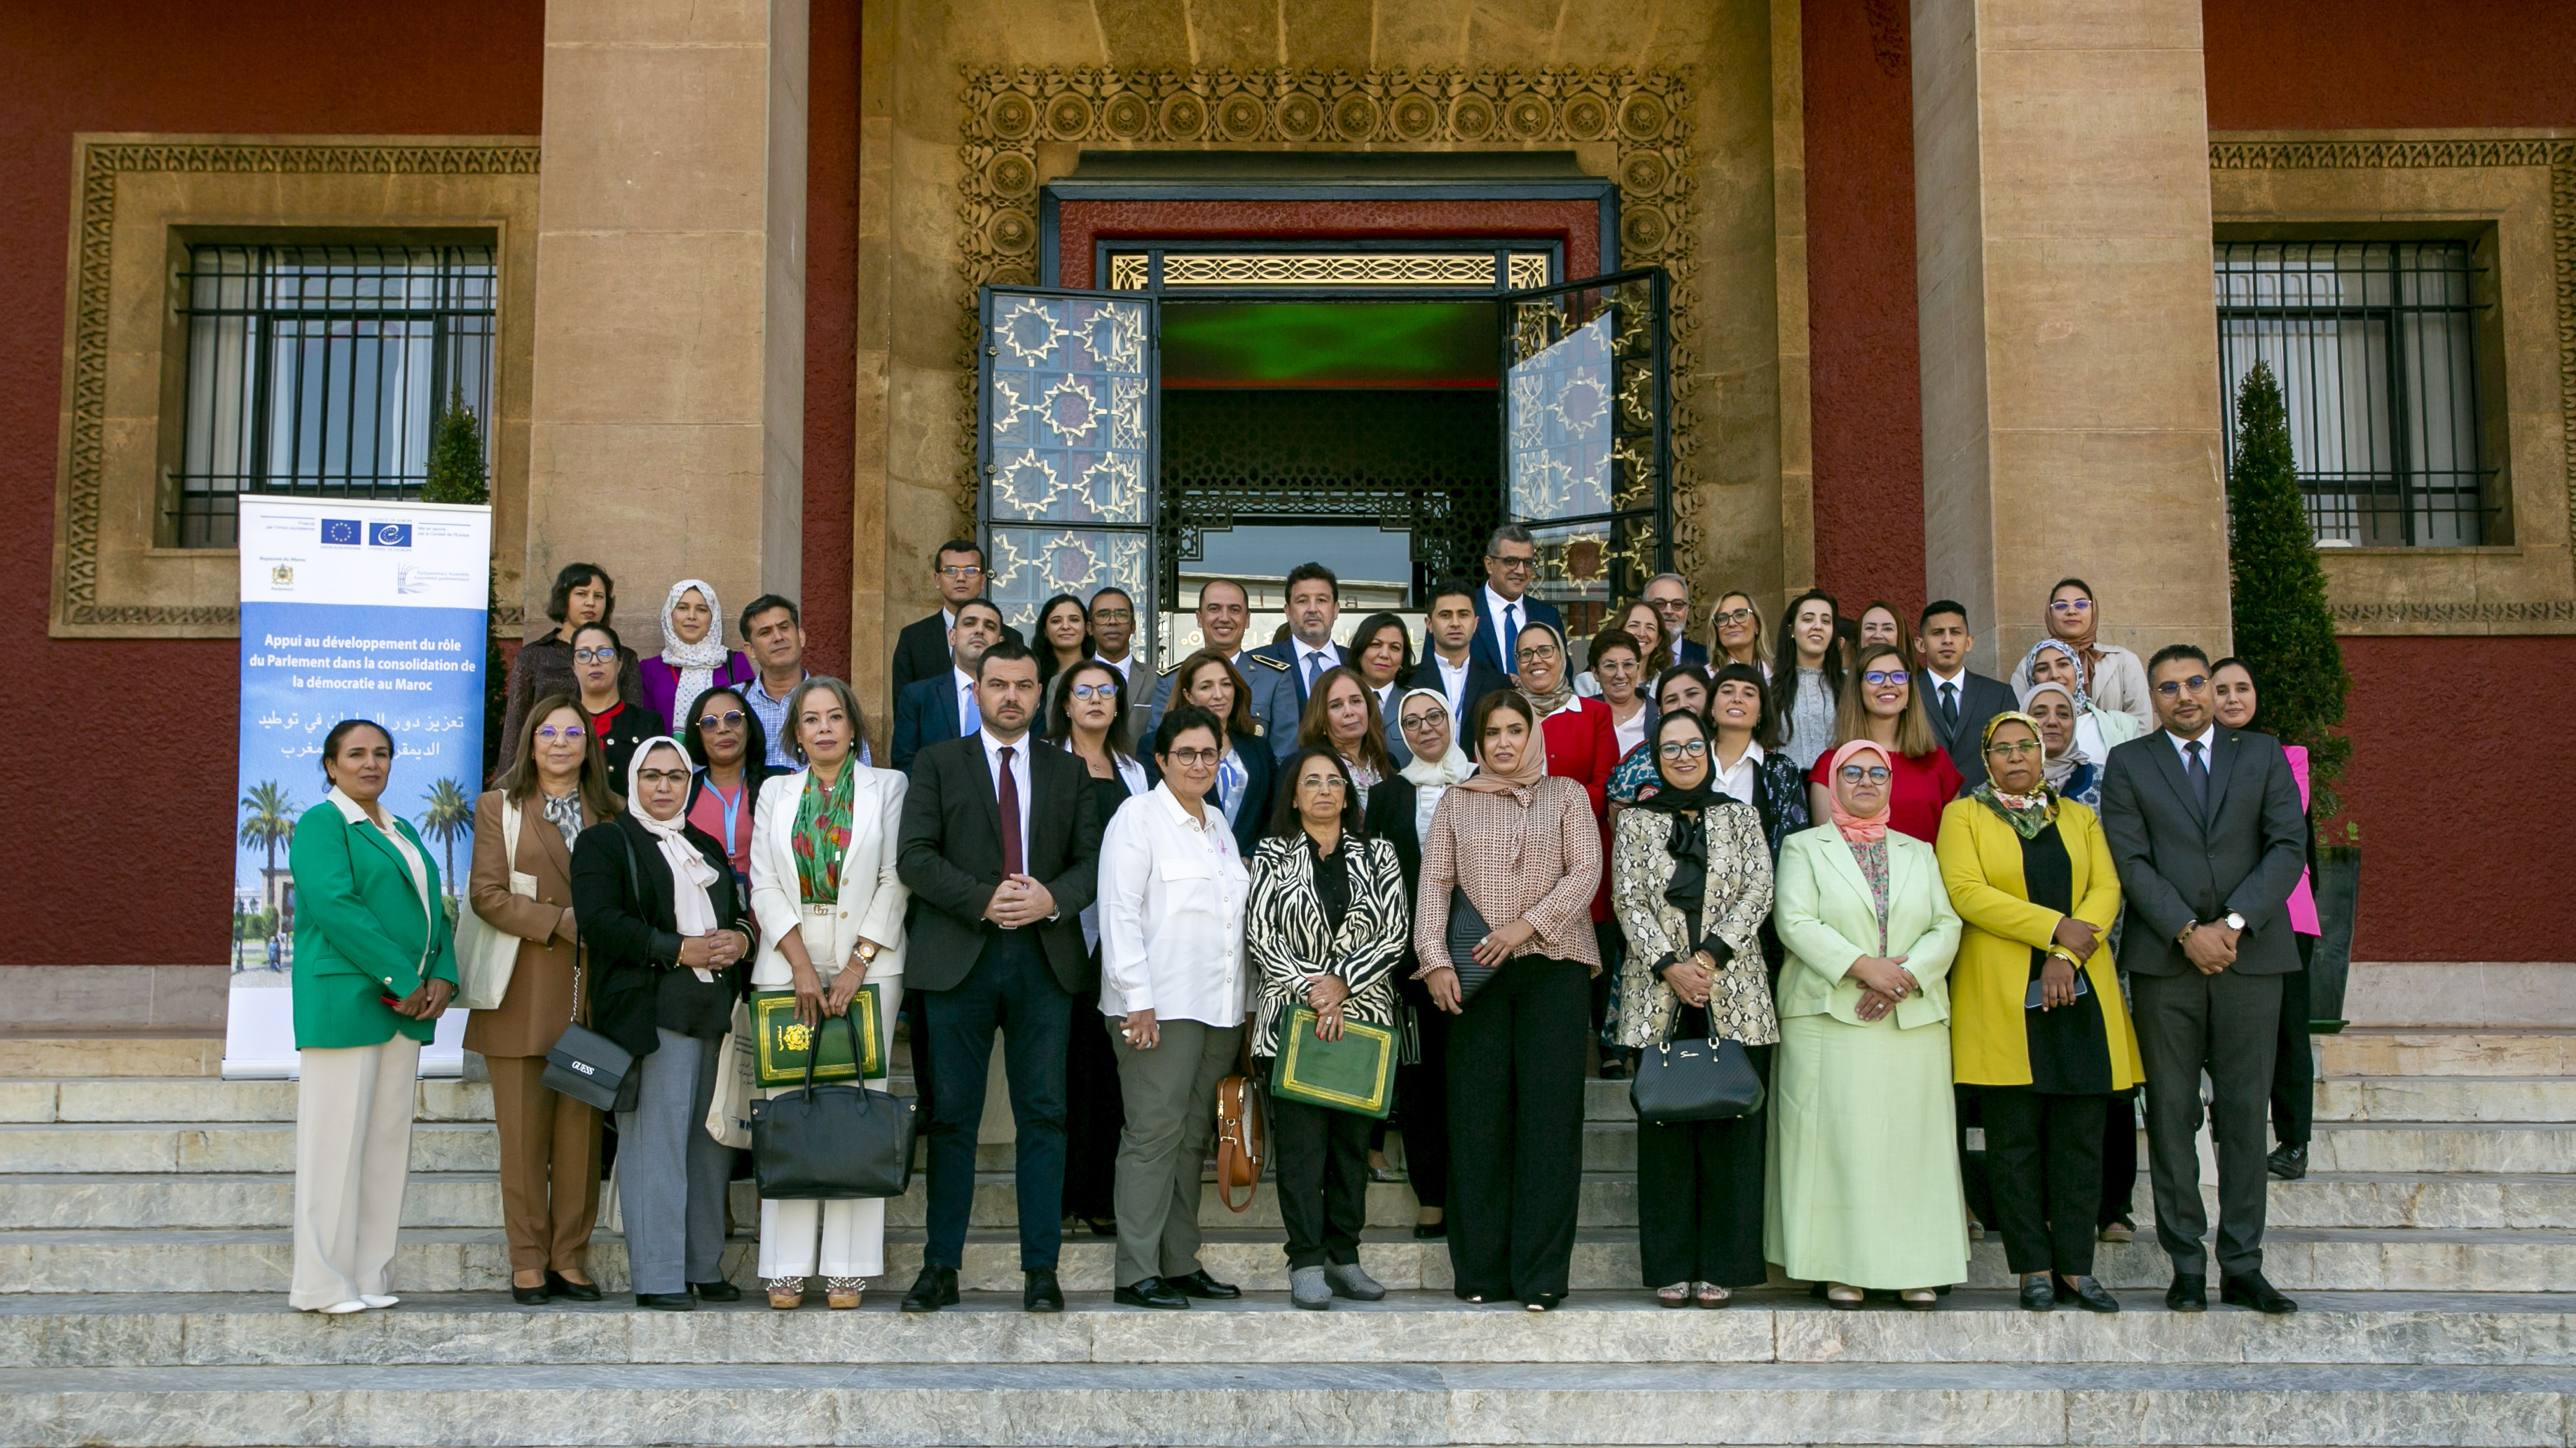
[{"x": 823, "y": 887}]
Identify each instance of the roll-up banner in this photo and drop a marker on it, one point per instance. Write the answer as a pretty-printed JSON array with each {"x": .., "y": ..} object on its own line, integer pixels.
[{"x": 350, "y": 610}]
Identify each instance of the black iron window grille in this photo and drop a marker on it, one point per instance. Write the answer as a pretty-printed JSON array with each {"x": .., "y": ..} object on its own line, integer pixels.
[
  {"x": 2375, "y": 344},
  {"x": 317, "y": 370}
]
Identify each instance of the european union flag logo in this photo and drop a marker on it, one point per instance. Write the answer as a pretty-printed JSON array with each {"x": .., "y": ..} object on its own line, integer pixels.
[
  {"x": 391, "y": 535},
  {"x": 343, "y": 532}
]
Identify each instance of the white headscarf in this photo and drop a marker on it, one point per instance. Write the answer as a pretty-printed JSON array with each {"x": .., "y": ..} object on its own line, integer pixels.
[
  {"x": 692, "y": 913},
  {"x": 1449, "y": 768},
  {"x": 694, "y": 663}
]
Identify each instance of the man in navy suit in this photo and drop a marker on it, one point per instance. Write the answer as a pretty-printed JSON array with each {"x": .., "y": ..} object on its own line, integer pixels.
[
  {"x": 1670, "y": 595},
  {"x": 1503, "y": 605},
  {"x": 942, "y": 707},
  {"x": 1961, "y": 700},
  {"x": 1314, "y": 604},
  {"x": 1449, "y": 661}
]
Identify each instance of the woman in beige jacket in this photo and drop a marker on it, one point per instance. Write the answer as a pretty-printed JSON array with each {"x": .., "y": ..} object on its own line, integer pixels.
[{"x": 554, "y": 787}]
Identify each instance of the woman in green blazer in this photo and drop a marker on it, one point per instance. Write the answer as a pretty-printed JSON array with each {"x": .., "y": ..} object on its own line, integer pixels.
[
  {"x": 1863, "y": 1184},
  {"x": 375, "y": 964}
]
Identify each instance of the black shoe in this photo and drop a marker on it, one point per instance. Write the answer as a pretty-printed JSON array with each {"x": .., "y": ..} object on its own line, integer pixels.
[
  {"x": 1431, "y": 1231},
  {"x": 1150, "y": 1292},
  {"x": 2189, "y": 1293},
  {"x": 1199, "y": 1284},
  {"x": 530, "y": 1296},
  {"x": 2248, "y": 1289},
  {"x": 1614, "y": 1069},
  {"x": 717, "y": 1291},
  {"x": 2036, "y": 1296},
  {"x": 1040, "y": 1294},
  {"x": 934, "y": 1289},
  {"x": 2088, "y": 1294},
  {"x": 667, "y": 1301},
  {"x": 570, "y": 1291},
  {"x": 2289, "y": 1163}
]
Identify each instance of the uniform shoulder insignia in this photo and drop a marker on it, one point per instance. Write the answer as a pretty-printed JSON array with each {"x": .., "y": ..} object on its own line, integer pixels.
[
  {"x": 1273, "y": 660},
  {"x": 1167, "y": 670}
]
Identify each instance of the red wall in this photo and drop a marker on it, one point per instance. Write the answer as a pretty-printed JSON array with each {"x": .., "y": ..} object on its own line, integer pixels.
[
  {"x": 2362, "y": 64},
  {"x": 145, "y": 729}
]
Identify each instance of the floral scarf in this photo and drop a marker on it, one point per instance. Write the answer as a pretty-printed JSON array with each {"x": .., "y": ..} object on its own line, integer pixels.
[
  {"x": 2028, "y": 814},
  {"x": 823, "y": 834}
]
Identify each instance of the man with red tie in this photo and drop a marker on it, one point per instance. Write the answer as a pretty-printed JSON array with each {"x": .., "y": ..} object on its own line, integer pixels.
[{"x": 1000, "y": 847}]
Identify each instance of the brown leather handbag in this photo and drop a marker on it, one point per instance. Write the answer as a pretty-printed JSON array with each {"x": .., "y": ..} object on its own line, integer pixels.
[{"x": 1242, "y": 1140}]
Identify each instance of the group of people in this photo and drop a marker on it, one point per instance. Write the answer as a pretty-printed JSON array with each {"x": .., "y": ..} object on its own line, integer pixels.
[{"x": 1909, "y": 895}]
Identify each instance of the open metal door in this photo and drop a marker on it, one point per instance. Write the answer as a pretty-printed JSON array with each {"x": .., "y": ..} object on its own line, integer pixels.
[
  {"x": 1065, "y": 447},
  {"x": 1587, "y": 436}
]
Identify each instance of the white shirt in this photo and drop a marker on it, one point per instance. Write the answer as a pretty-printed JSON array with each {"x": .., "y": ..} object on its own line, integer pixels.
[
  {"x": 1172, "y": 892},
  {"x": 1019, "y": 777},
  {"x": 1126, "y": 667},
  {"x": 1632, "y": 733},
  {"x": 2204, "y": 739},
  {"x": 1307, "y": 670},
  {"x": 1495, "y": 603},
  {"x": 2088, "y": 738},
  {"x": 1453, "y": 682},
  {"x": 964, "y": 684},
  {"x": 1736, "y": 783}
]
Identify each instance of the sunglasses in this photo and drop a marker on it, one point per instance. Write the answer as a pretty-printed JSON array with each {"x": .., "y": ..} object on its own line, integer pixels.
[
  {"x": 726, "y": 720},
  {"x": 2171, "y": 687}
]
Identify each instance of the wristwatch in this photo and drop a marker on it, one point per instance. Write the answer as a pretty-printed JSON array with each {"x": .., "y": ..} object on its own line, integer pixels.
[
  {"x": 2235, "y": 922},
  {"x": 866, "y": 952}
]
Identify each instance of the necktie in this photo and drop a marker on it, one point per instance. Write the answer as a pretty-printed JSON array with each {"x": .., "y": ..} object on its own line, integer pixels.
[
  {"x": 1511, "y": 640},
  {"x": 1950, "y": 708},
  {"x": 2198, "y": 773},
  {"x": 1008, "y": 787},
  {"x": 969, "y": 717},
  {"x": 1314, "y": 669}
]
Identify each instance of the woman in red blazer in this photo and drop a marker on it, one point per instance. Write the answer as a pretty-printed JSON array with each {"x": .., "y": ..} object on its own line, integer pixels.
[{"x": 1583, "y": 746}]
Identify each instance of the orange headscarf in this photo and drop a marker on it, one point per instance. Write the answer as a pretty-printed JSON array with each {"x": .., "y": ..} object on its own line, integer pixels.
[{"x": 1860, "y": 829}]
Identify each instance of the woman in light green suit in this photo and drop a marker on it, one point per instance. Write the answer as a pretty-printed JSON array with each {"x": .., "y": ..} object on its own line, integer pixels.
[
  {"x": 1864, "y": 1178},
  {"x": 375, "y": 964}
]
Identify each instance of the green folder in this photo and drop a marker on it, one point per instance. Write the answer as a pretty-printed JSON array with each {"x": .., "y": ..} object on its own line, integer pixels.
[
  {"x": 1354, "y": 1074},
  {"x": 781, "y": 1042}
]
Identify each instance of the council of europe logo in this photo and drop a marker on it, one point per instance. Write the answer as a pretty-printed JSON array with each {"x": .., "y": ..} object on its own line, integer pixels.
[{"x": 391, "y": 535}]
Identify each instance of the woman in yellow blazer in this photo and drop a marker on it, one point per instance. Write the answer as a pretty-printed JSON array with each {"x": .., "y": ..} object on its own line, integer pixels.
[
  {"x": 375, "y": 964},
  {"x": 1863, "y": 1186},
  {"x": 823, "y": 887},
  {"x": 554, "y": 787},
  {"x": 2037, "y": 1023}
]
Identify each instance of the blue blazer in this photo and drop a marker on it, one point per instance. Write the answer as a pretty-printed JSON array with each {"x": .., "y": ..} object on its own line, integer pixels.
[
  {"x": 1491, "y": 649},
  {"x": 926, "y": 713}
]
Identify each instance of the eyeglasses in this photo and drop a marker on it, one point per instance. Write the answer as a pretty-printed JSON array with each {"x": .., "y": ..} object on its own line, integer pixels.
[
  {"x": 1684, "y": 749},
  {"x": 594, "y": 656},
  {"x": 1513, "y": 565},
  {"x": 1113, "y": 615},
  {"x": 1887, "y": 676},
  {"x": 1332, "y": 782},
  {"x": 2171, "y": 687},
  {"x": 726, "y": 720},
  {"x": 2071, "y": 605},
  {"x": 961, "y": 572},
  {"x": 2014, "y": 750},
  {"x": 1425, "y": 719},
  {"x": 1095, "y": 691},
  {"x": 1734, "y": 615},
  {"x": 568, "y": 731},
  {"x": 1538, "y": 651},
  {"x": 663, "y": 776},
  {"x": 1193, "y": 758},
  {"x": 1854, "y": 774}
]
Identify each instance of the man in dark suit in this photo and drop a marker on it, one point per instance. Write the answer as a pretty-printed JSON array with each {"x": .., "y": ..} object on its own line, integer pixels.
[
  {"x": 1961, "y": 701},
  {"x": 942, "y": 706},
  {"x": 1449, "y": 660},
  {"x": 1503, "y": 605},
  {"x": 1314, "y": 605},
  {"x": 2206, "y": 831},
  {"x": 1000, "y": 847},
  {"x": 1670, "y": 594},
  {"x": 921, "y": 650}
]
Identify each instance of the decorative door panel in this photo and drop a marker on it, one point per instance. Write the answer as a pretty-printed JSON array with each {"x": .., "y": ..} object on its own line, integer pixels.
[
  {"x": 1587, "y": 435},
  {"x": 1066, "y": 446}
]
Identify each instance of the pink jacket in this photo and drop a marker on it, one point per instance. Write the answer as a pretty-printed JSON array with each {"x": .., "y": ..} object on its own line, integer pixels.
[{"x": 2303, "y": 900}]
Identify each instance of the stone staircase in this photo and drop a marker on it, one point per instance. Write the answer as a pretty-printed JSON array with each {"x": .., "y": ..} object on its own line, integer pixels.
[{"x": 144, "y": 1256}]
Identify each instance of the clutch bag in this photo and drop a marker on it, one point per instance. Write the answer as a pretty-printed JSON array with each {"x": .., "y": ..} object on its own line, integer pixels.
[
  {"x": 1354, "y": 1074},
  {"x": 782, "y": 1044},
  {"x": 1467, "y": 929}
]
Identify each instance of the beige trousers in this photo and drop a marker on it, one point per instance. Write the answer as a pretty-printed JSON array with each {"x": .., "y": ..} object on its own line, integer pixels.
[
  {"x": 851, "y": 1234},
  {"x": 353, "y": 1110}
]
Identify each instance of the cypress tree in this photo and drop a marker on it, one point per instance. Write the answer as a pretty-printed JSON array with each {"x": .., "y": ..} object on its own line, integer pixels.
[
  {"x": 456, "y": 456},
  {"x": 2284, "y": 629}
]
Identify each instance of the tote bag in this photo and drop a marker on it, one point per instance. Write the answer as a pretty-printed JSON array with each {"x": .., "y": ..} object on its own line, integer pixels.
[{"x": 486, "y": 955}]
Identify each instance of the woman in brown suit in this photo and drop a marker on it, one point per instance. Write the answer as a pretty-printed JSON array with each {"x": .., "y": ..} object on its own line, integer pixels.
[{"x": 554, "y": 785}]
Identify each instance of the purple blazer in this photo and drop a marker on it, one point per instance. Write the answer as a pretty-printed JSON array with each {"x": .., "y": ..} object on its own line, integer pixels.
[{"x": 662, "y": 682}]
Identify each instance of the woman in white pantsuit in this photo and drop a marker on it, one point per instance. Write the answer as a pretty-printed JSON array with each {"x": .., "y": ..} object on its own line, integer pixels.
[{"x": 823, "y": 887}]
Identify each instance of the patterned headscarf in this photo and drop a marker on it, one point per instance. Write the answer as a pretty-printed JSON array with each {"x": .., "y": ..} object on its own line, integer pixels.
[
  {"x": 2057, "y": 769},
  {"x": 2080, "y": 692},
  {"x": 2028, "y": 814}
]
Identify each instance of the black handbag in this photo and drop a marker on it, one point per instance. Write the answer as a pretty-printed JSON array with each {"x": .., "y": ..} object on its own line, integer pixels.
[
  {"x": 832, "y": 1143},
  {"x": 1467, "y": 930},
  {"x": 588, "y": 1066},
  {"x": 1695, "y": 1080}
]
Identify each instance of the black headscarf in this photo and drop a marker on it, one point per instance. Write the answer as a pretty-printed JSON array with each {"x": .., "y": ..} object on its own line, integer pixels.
[
  {"x": 1687, "y": 840},
  {"x": 1670, "y": 798}
]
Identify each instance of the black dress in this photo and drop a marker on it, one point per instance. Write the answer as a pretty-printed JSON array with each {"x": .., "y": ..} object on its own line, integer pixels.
[
  {"x": 2044, "y": 1140},
  {"x": 1094, "y": 1112}
]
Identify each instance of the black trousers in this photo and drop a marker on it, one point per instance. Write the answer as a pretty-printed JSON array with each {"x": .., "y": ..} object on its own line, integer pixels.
[
  {"x": 1422, "y": 1101},
  {"x": 2294, "y": 1062},
  {"x": 1094, "y": 1114},
  {"x": 1010, "y": 987},
  {"x": 2119, "y": 1158},
  {"x": 1516, "y": 1135},
  {"x": 2044, "y": 1165},
  {"x": 1322, "y": 1160},
  {"x": 1699, "y": 1198},
  {"x": 1612, "y": 942},
  {"x": 2224, "y": 1024}
]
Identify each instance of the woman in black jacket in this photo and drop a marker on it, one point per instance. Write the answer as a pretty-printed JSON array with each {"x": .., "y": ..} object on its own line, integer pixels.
[{"x": 667, "y": 933}]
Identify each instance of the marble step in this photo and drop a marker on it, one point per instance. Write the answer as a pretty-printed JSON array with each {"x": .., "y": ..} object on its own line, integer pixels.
[
  {"x": 2440, "y": 1098},
  {"x": 2420, "y": 1200},
  {"x": 475, "y": 1260},
  {"x": 24, "y": 1057},
  {"x": 1768, "y": 1325},
  {"x": 2531, "y": 1148},
  {"x": 254, "y": 1146},
  {"x": 1216, "y": 1403},
  {"x": 174, "y": 1100},
  {"x": 2447, "y": 1053}
]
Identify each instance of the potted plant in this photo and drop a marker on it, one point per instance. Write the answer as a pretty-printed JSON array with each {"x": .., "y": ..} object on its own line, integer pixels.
[{"x": 2285, "y": 632}]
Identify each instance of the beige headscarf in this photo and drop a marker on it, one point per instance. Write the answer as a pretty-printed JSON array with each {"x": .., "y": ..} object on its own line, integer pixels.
[{"x": 1527, "y": 771}]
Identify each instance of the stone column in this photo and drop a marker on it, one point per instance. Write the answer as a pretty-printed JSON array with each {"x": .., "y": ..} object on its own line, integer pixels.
[
  {"x": 2071, "y": 419},
  {"x": 668, "y": 423}
]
